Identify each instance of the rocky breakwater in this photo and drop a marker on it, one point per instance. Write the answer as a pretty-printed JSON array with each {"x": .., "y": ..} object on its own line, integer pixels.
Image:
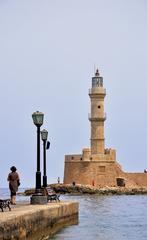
[
  {"x": 80, "y": 189},
  {"x": 86, "y": 189},
  {"x": 36, "y": 222}
]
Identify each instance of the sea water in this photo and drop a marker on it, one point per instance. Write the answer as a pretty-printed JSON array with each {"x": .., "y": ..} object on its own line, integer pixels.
[
  {"x": 104, "y": 217},
  {"x": 108, "y": 218},
  {"x": 5, "y": 193}
]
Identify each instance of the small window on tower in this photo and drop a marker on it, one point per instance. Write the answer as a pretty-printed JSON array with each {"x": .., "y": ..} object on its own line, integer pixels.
[
  {"x": 102, "y": 168},
  {"x": 99, "y": 106}
]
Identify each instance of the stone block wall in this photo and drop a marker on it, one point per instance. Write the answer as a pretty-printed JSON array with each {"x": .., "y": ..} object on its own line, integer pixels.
[
  {"x": 140, "y": 179},
  {"x": 90, "y": 173},
  {"x": 37, "y": 221},
  {"x": 99, "y": 170}
]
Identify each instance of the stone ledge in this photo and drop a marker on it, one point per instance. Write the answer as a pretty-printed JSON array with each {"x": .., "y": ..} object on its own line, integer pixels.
[{"x": 37, "y": 221}]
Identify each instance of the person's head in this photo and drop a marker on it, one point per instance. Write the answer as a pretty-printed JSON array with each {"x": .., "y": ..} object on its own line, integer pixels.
[{"x": 13, "y": 169}]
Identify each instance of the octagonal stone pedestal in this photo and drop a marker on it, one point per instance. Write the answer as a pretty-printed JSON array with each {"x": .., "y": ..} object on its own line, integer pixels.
[{"x": 38, "y": 199}]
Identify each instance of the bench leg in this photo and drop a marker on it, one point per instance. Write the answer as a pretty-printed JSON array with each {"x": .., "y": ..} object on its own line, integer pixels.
[
  {"x": 2, "y": 209},
  {"x": 9, "y": 207}
]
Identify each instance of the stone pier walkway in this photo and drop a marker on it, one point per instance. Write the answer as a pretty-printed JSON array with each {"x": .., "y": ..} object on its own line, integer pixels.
[{"x": 27, "y": 221}]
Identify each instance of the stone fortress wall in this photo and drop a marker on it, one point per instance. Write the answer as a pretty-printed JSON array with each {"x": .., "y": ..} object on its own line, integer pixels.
[
  {"x": 99, "y": 173},
  {"x": 97, "y": 165}
]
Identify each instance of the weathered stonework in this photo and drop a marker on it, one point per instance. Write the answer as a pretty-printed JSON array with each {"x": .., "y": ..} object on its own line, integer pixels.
[
  {"x": 96, "y": 165},
  {"x": 92, "y": 169},
  {"x": 34, "y": 222}
]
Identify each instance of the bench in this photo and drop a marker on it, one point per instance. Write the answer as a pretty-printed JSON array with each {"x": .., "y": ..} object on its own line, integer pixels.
[
  {"x": 5, "y": 203},
  {"x": 51, "y": 195}
]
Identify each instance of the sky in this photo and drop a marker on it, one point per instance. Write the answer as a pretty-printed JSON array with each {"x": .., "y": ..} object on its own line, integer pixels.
[{"x": 48, "y": 52}]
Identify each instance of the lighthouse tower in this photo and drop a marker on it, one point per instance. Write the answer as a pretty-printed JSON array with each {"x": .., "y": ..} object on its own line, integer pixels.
[
  {"x": 96, "y": 165},
  {"x": 97, "y": 116}
]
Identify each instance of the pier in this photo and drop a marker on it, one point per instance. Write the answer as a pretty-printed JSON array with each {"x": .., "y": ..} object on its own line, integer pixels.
[{"x": 36, "y": 222}]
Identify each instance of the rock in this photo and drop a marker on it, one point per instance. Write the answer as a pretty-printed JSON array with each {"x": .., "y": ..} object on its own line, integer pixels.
[{"x": 87, "y": 189}]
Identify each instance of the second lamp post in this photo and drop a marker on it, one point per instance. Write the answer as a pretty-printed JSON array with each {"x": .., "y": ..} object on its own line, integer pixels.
[{"x": 44, "y": 135}]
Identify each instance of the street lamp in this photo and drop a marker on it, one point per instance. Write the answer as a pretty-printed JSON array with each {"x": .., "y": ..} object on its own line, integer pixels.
[
  {"x": 38, "y": 121},
  {"x": 44, "y": 135}
]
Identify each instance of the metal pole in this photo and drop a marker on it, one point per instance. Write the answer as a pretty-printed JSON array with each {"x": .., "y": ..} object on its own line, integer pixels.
[
  {"x": 38, "y": 173},
  {"x": 44, "y": 164}
]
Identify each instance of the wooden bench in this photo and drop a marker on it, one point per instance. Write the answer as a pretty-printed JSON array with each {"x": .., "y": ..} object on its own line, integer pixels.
[
  {"x": 51, "y": 195},
  {"x": 5, "y": 203}
]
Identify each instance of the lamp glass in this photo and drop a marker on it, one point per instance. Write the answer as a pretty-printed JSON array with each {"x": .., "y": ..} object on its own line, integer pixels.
[
  {"x": 44, "y": 134},
  {"x": 38, "y": 118}
]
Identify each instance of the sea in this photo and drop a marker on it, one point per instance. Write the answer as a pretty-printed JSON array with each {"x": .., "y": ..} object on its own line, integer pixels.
[{"x": 116, "y": 217}]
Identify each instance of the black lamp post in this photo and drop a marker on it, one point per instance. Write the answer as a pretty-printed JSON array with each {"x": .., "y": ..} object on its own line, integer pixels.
[
  {"x": 44, "y": 135},
  {"x": 38, "y": 121}
]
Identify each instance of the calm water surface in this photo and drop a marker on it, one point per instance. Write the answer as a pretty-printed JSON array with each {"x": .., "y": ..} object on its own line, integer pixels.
[
  {"x": 104, "y": 218},
  {"x": 108, "y": 218}
]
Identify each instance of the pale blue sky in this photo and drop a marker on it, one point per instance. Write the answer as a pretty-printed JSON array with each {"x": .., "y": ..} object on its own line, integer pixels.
[{"x": 48, "y": 49}]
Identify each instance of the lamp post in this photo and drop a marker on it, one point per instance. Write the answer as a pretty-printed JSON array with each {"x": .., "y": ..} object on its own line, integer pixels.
[
  {"x": 44, "y": 135},
  {"x": 38, "y": 121}
]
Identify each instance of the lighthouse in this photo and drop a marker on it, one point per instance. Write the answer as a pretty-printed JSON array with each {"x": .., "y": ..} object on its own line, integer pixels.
[
  {"x": 97, "y": 116},
  {"x": 96, "y": 165}
]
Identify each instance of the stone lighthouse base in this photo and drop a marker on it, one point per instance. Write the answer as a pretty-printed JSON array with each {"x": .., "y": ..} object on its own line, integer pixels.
[{"x": 99, "y": 170}]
